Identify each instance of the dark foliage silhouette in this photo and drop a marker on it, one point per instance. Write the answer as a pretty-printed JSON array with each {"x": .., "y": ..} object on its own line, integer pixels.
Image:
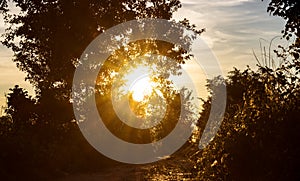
[
  {"x": 39, "y": 138},
  {"x": 257, "y": 140},
  {"x": 48, "y": 38},
  {"x": 258, "y": 137},
  {"x": 289, "y": 11}
]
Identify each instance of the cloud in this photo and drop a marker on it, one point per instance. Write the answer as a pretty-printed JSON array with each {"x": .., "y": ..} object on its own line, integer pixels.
[
  {"x": 215, "y": 2},
  {"x": 234, "y": 27}
]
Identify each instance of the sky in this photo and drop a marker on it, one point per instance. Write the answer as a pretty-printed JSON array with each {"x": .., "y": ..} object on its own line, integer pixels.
[{"x": 233, "y": 29}]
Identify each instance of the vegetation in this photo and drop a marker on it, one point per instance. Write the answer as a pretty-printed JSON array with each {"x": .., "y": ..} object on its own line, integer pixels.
[
  {"x": 48, "y": 38},
  {"x": 258, "y": 139}
]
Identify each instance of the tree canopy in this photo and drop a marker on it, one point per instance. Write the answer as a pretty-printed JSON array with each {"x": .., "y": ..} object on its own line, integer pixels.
[
  {"x": 48, "y": 38},
  {"x": 289, "y": 11},
  {"x": 258, "y": 139}
]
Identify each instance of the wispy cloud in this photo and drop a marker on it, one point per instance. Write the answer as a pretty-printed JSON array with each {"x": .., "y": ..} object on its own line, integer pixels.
[
  {"x": 215, "y": 3},
  {"x": 234, "y": 27}
]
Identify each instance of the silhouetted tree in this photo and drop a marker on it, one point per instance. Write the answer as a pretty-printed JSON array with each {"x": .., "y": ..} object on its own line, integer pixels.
[
  {"x": 257, "y": 138},
  {"x": 19, "y": 146},
  {"x": 5, "y": 126},
  {"x": 48, "y": 38},
  {"x": 289, "y": 11},
  {"x": 21, "y": 108},
  {"x": 53, "y": 34}
]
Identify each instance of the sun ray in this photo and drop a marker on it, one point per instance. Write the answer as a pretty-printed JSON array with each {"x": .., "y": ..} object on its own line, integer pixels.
[{"x": 141, "y": 89}]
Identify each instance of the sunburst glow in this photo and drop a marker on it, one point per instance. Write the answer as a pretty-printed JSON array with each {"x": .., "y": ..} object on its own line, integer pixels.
[{"x": 141, "y": 89}]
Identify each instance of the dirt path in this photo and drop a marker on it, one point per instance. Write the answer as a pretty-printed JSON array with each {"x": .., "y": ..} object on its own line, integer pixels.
[
  {"x": 169, "y": 169},
  {"x": 118, "y": 173}
]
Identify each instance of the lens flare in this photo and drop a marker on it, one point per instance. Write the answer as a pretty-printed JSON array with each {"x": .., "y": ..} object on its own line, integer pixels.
[{"x": 141, "y": 89}]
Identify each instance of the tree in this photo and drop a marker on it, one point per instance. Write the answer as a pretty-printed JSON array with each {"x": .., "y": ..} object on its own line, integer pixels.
[
  {"x": 53, "y": 34},
  {"x": 257, "y": 138},
  {"x": 289, "y": 11},
  {"x": 48, "y": 38},
  {"x": 21, "y": 108}
]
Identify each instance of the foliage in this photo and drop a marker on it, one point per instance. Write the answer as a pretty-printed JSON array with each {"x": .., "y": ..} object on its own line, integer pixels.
[
  {"x": 257, "y": 139},
  {"x": 53, "y": 34},
  {"x": 289, "y": 11},
  {"x": 48, "y": 38},
  {"x": 20, "y": 108}
]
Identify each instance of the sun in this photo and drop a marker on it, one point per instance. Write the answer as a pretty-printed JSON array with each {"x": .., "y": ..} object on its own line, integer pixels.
[
  {"x": 141, "y": 89},
  {"x": 138, "y": 83}
]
